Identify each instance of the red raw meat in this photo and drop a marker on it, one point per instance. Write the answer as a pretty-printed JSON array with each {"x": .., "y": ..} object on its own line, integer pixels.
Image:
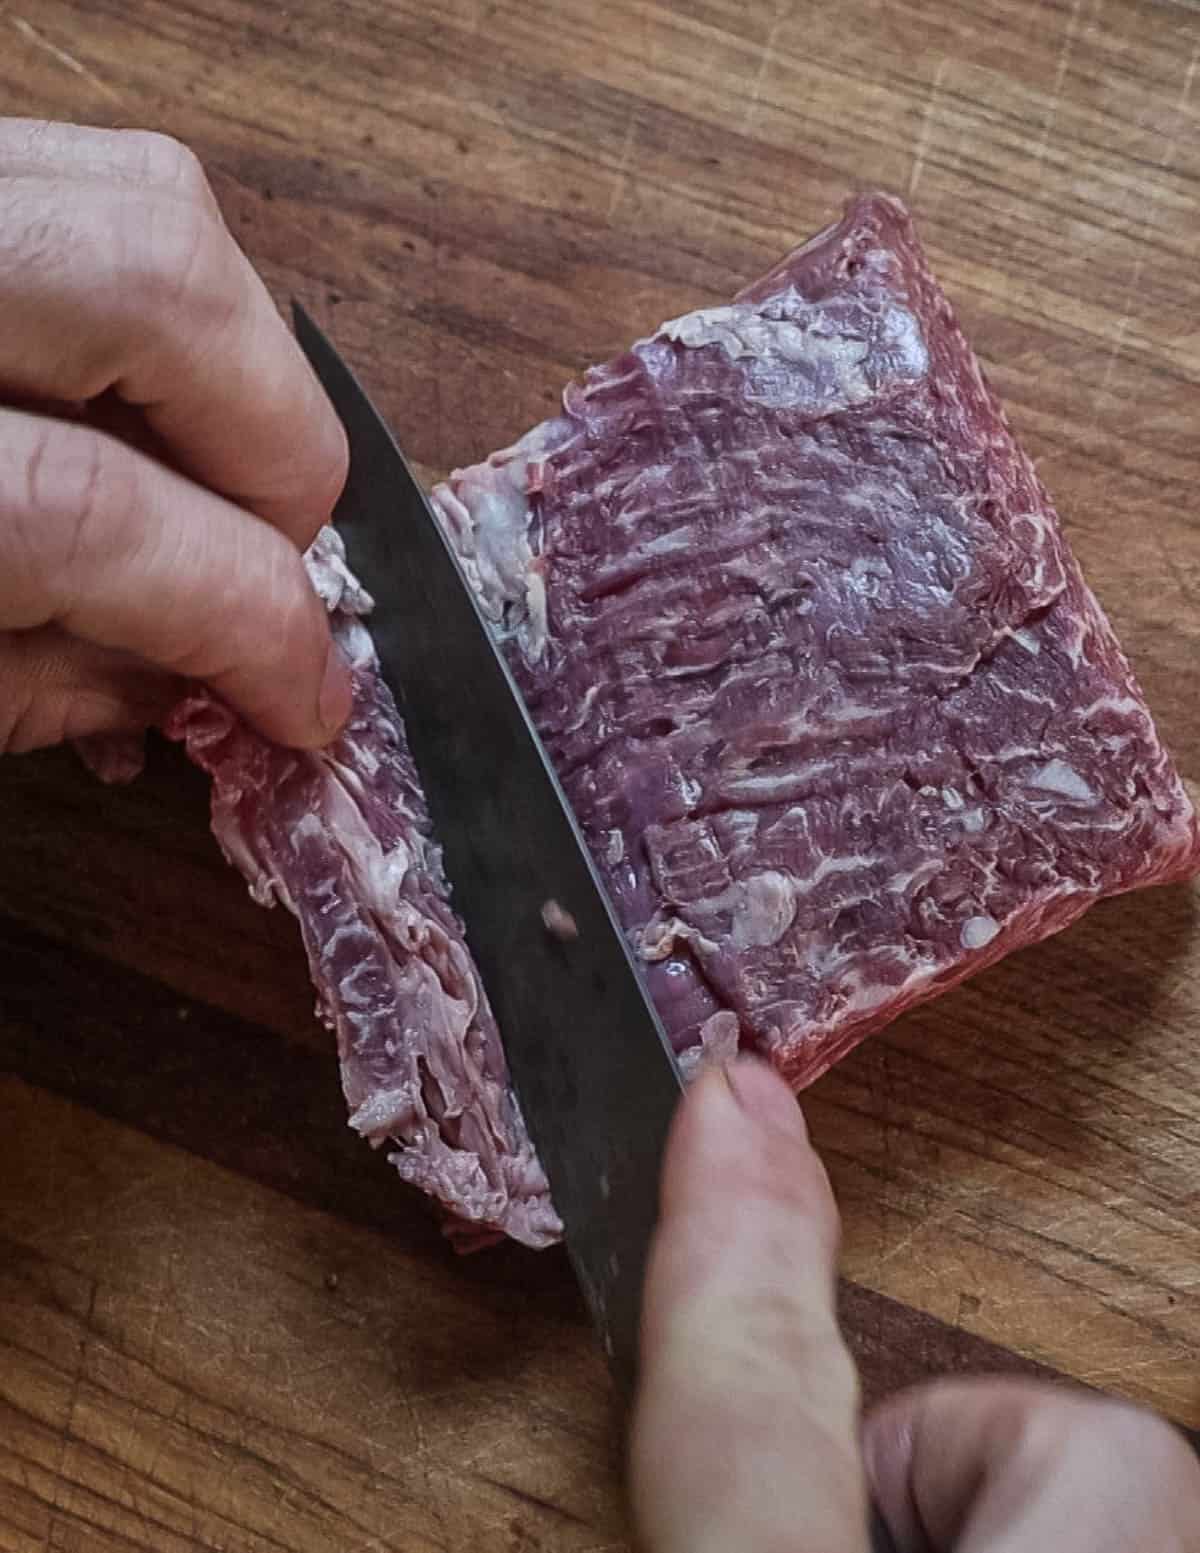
[
  {"x": 796, "y": 619},
  {"x": 341, "y": 837},
  {"x": 840, "y": 719}
]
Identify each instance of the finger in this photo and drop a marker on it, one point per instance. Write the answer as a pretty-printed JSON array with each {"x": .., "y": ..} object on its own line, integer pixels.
[
  {"x": 73, "y": 152},
  {"x": 745, "y": 1431},
  {"x": 116, "y": 287},
  {"x": 993, "y": 1465},
  {"x": 54, "y": 687},
  {"x": 113, "y": 548}
]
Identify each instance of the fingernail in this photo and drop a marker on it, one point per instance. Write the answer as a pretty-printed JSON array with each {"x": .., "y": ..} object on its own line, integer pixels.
[
  {"x": 337, "y": 692},
  {"x": 765, "y": 1097}
]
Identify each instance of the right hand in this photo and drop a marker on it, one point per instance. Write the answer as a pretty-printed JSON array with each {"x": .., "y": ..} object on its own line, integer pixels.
[
  {"x": 172, "y": 549},
  {"x": 994, "y": 1465},
  {"x": 745, "y": 1434}
]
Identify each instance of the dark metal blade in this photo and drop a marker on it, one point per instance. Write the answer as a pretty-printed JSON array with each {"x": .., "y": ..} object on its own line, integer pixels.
[{"x": 592, "y": 1066}]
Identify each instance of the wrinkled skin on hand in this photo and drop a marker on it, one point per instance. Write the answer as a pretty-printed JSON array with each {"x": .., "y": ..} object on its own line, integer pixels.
[{"x": 165, "y": 453}]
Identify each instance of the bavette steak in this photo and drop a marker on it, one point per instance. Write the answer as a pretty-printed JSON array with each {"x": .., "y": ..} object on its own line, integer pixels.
[
  {"x": 341, "y": 837},
  {"x": 794, "y": 615},
  {"x": 839, "y": 716}
]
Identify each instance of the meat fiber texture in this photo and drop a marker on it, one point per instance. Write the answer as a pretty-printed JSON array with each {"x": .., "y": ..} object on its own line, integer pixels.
[
  {"x": 839, "y": 717},
  {"x": 341, "y": 837}
]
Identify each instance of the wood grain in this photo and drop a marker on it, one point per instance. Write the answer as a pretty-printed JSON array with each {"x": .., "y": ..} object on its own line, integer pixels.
[
  {"x": 201, "y": 1266},
  {"x": 222, "y": 1323}
]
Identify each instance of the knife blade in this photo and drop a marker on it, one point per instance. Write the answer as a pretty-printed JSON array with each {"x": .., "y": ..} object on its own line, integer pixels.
[
  {"x": 592, "y": 1067},
  {"x": 591, "y": 1064}
]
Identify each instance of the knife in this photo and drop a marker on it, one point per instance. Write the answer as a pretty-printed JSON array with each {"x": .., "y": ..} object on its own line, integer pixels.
[
  {"x": 593, "y": 1069},
  {"x": 590, "y": 1062}
]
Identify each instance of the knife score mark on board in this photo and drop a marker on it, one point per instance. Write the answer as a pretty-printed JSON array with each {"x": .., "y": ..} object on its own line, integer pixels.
[
  {"x": 38, "y": 41},
  {"x": 925, "y": 137}
]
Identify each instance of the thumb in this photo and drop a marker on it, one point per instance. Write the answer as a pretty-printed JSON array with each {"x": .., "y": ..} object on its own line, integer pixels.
[
  {"x": 745, "y": 1428},
  {"x": 1001, "y": 1465}
]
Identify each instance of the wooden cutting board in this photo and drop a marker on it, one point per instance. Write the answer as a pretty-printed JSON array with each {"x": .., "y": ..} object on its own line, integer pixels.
[{"x": 222, "y": 1322}]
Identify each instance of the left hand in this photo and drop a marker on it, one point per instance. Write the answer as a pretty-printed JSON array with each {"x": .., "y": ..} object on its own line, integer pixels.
[{"x": 174, "y": 547}]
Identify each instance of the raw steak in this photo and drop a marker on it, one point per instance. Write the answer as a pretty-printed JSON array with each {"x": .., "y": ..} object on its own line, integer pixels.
[
  {"x": 795, "y": 617},
  {"x": 341, "y": 837},
  {"x": 839, "y": 716}
]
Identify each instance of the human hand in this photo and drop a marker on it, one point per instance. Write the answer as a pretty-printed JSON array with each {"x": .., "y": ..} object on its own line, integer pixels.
[
  {"x": 746, "y": 1436},
  {"x": 127, "y": 304}
]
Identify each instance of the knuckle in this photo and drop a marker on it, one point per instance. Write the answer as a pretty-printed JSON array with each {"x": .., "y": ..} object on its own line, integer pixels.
[
  {"x": 774, "y": 1321},
  {"x": 770, "y": 1332},
  {"x": 77, "y": 487},
  {"x": 164, "y": 260},
  {"x": 304, "y": 496},
  {"x": 757, "y": 1349},
  {"x": 269, "y": 626},
  {"x": 166, "y": 163},
  {"x": 176, "y": 259},
  {"x": 178, "y": 262}
]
